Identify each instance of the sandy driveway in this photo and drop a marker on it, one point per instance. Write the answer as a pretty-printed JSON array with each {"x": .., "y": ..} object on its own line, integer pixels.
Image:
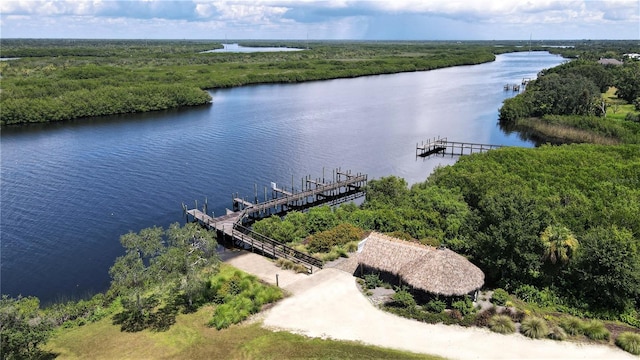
[{"x": 329, "y": 304}]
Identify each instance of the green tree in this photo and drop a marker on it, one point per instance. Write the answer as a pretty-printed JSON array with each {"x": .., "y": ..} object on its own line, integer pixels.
[
  {"x": 559, "y": 244},
  {"x": 628, "y": 83},
  {"x": 22, "y": 328},
  {"x": 132, "y": 276},
  {"x": 607, "y": 272},
  {"x": 390, "y": 190},
  {"x": 320, "y": 218},
  {"x": 568, "y": 94},
  {"x": 507, "y": 244},
  {"x": 190, "y": 249}
]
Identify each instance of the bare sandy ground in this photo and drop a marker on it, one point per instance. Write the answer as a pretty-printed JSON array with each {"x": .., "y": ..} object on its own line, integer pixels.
[{"x": 328, "y": 304}]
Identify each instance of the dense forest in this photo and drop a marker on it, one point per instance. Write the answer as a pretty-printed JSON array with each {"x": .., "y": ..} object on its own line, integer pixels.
[{"x": 57, "y": 80}]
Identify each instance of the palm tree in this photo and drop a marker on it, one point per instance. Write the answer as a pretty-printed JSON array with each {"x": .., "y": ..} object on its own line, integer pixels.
[{"x": 559, "y": 244}]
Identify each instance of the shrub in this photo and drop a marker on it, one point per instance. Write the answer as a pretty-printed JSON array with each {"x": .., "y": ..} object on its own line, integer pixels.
[
  {"x": 573, "y": 326},
  {"x": 632, "y": 117},
  {"x": 372, "y": 281},
  {"x": 515, "y": 315},
  {"x": 464, "y": 306},
  {"x": 528, "y": 293},
  {"x": 351, "y": 246},
  {"x": 595, "y": 330},
  {"x": 557, "y": 333},
  {"x": 502, "y": 324},
  {"x": 340, "y": 235},
  {"x": 290, "y": 265},
  {"x": 436, "y": 306},
  {"x": 499, "y": 297},
  {"x": 629, "y": 342},
  {"x": 484, "y": 318},
  {"x": 534, "y": 327},
  {"x": 404, "y": 298}
]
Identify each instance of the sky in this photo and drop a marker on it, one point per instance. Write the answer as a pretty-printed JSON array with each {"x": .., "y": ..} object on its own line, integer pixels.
[{"x": 328, "y": 19}]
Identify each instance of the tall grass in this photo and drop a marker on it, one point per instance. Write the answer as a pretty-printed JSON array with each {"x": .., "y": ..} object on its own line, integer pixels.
[
  {"x": 290, "y": 265},
  {"x": 629, "y": 342},
  {"x": 502, "y": 324},
  {"x": 565, "y": 133},
  {"x": 534, "y": 327},
  {"x": 557, "y": 333},
  {"x": 595, "y": 330},
  {"x": 573, "y": 326}
]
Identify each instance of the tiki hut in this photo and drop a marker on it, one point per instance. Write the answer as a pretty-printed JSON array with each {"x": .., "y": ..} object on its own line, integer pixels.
[{"x": 435, "y": 271}]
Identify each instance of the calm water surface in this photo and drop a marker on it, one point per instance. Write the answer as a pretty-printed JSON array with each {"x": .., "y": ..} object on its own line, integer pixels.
[
  {"x": 249, "y": 49},
  {"x": 70, "y": 190}
]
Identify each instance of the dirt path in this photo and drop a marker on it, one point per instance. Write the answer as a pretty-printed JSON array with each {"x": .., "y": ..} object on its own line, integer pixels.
[{"x": 328, "y": 304}]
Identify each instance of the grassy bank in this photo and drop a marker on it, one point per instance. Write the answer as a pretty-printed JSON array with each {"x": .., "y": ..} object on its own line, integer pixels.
[
  {"x": 190, "y": 338},
  {"x": 60, "y": 80},
  {"x": 212, "y": 331}
]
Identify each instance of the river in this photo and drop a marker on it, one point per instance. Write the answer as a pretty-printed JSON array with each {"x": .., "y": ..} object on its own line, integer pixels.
[{"x": 69, "y": 190}]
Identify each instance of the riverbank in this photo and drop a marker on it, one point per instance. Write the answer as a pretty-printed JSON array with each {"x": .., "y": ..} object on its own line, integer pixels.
[{"x": 96, "y": 78}]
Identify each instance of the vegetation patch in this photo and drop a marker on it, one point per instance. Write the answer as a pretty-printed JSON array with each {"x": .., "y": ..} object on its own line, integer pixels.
[
  {"x": 190, "y": 338},
  {"x": 573, "y": 326},
  {"x": 557, "y": 333},
  {"x": 534, "y": 327},
  {"x": 629, "y": 342},
  {"x": 239, "y": 295},
  {"x": 502, "y": 324},
  {"x": 290, "y": 265},
  {"x": 595, "y": 330},
  {"x": 499, "y": 297}
]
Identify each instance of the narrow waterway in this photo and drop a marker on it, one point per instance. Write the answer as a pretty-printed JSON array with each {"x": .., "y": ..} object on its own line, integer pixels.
[{"x": 69, "y": 190}]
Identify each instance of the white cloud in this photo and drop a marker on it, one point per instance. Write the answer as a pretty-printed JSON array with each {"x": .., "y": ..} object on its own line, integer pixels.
[
  {"x": 335, "y": 18},
  {"x": 249, "y": 13}
]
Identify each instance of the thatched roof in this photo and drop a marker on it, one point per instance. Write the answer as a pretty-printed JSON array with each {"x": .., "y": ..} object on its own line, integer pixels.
[
  {"x": 616, "y": 62},
  {"x": 437, "y": 271}
]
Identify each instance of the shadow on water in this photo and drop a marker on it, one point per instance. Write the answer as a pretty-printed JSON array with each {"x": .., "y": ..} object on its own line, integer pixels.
[
  {"x": 527, "y": 134},
  {"x": 169, "y": 115}
]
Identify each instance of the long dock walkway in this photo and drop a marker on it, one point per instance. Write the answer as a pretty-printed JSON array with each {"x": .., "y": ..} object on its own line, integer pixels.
[
  {"x": 231, "y": 226},
  {"x": 454, "y": 148}
]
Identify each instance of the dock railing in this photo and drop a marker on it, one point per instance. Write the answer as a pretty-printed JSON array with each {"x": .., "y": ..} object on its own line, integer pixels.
[{"x": 272, "y": 247}]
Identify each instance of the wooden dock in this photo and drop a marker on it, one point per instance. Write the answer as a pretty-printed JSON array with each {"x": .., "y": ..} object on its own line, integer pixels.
[
  {"x": 344, "y": 186},
  {"x": 513, "y": 87},
  {"x": 454, "y": 148}
]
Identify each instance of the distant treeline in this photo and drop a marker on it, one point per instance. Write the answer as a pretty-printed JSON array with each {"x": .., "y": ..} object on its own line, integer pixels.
[{"x": 66, "y": 79}]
